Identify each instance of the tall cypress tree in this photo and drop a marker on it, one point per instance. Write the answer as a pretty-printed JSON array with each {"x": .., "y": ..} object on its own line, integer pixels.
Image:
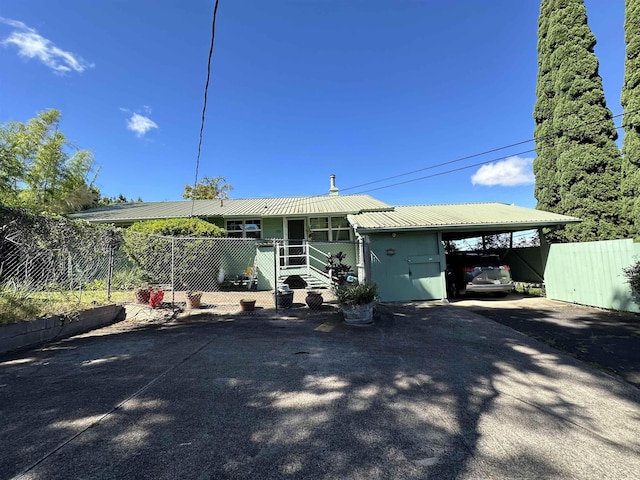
[
  {"x": 630, "y": 185},
  {"x": 547, "y": 188},
  {"x": 578, "y": 165}
]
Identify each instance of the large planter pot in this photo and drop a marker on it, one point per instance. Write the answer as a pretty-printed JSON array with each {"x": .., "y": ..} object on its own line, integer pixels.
[
  {"x": 142, "y": 295},
  {"x": 313, "y": 299},
  {"x": 358, "y": 314},
  {"x": 193, "y": 300},
  {"x": 247, "y": 305},
  {"x": 284, "y": 299}
]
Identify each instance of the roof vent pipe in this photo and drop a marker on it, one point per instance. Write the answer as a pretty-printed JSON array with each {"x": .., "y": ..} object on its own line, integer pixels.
[{"x": 333, "y": 190}]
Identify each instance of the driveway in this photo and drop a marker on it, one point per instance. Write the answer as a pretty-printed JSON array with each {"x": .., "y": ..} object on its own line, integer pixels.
[
  {"x": 430, "y": 391},
  {"x": 606, "y": 339}
]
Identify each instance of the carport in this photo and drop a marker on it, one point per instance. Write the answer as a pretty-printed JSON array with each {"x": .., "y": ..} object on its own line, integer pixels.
[{"x": 404, "y": 250}]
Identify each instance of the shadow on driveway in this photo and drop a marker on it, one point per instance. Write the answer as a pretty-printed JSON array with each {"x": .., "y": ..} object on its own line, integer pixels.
[
  {"x": 429, "y": 392},
  {"x": 605, "y": 339}
]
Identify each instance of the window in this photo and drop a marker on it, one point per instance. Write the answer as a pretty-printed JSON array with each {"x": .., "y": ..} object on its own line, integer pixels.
[
  {"x": 244, "y": 228},
  {"x": 340, "y": 229},
  {"x": 324, "y": 229}
]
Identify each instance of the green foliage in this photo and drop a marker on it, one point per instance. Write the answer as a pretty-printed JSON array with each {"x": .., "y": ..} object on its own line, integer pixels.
[
  {"x": 105, "y": 201},
  {"x": 630, "y": 186},
  {"x": 208, "y": 188},
  {"x": 578, "y": 165},
  {"x": 41, "y": 170},
  {"x": 339, "y": 271},
  {"x": 122, "y": 280},
  {"x": 46, "y": 262},
  {"x": 149, "y": 246},
  {"x": 633, "y": 279},
  {"x": 16, "y": 305},
  {"x": 356, "y": 294},
  {"x": 179, "y": 227},
  {"x": 52, "y": 251}
]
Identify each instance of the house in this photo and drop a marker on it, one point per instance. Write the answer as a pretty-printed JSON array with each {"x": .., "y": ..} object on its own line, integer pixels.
[{"x": 398, "y": 247}]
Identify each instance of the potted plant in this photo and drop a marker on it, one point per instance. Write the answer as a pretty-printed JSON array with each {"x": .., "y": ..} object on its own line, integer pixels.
[
  {"x": 193, "y": 299},
  {"x": 247, "y": 304},
  {"x": 155, "y": 297},
  {"x": 283, "y": 297},
  {"x": 356, "y": 301},
  {"x": 314, "y": 299},
  {"x": 142, "y": 294}
]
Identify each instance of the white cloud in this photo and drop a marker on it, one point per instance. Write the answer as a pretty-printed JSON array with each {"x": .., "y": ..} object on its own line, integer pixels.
[
  {"x": 30, "y": 44},
  {"x": 511, "y": 172},
  {"x": 140, "y": 124},
  {"x": 16, "y": 24}
]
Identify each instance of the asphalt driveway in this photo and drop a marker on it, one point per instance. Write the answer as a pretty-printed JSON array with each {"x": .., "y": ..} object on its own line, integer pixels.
[{"x": 429, "y": 391}]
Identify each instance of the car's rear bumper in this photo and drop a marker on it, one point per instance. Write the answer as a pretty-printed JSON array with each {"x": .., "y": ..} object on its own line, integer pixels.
[{"x": 490, "y": 288}]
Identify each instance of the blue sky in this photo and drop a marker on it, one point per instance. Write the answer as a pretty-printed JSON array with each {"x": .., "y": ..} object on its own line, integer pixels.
[{"x": 300, "y": 89}]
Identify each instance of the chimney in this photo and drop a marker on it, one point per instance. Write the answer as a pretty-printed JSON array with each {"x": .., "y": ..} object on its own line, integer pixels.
[{"x": 333, "y": 190}]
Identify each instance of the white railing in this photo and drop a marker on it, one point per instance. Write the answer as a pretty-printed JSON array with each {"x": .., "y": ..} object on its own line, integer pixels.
[{"x": 300, "y": 257}]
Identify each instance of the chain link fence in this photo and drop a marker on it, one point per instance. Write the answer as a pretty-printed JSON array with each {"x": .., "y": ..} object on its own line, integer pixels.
[
  {"x": 182, "y": 265},
  {"x": 54, "y": 265}
]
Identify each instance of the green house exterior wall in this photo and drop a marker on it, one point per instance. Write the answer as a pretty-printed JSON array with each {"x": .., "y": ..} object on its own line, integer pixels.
[
  {"x": 272, "y": 227},
  {"x": 416, "y": 270}
]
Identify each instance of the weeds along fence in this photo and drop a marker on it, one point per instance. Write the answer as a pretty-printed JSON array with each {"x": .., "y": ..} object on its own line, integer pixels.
[{"x": 50, "y": 264}]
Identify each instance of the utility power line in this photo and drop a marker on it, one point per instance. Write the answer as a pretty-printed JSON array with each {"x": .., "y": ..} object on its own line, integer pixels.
[{"x": 204, "y": 105}]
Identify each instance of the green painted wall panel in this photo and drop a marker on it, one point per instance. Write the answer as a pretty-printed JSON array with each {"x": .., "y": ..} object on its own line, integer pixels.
[
  {"x": 272, "y": 228},
  {"x": 414, "y": 272},
  {"x": 591, "y": 273},
  {"x": 266, "y": 268},
  {"x": 527, "y": 264}
]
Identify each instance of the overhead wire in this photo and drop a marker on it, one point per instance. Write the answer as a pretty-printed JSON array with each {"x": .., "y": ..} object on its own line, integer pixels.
[
  {"x": 465, "y": 167},
  {"x": 480, "y": 154},
  {"x": 315, "y": 199},
  {"x": 204, "y": 105}
]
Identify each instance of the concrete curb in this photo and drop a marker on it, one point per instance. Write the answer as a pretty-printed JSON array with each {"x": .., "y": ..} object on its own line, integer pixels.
[{"x": 17, "y": 336}]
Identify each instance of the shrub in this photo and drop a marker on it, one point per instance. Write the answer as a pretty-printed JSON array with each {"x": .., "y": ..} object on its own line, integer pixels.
[
  {"x": 633, "y": 279},
  {"x": 179, "y": 227},
  {"x": 339, "y": 271},
  {"x": 356, "y": 294},
  {"x": 150, "y": 247}
]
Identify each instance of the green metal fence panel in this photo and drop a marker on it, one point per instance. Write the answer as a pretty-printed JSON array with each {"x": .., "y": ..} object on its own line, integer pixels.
[
  {"x": 527, "y": 264},
  {"x": 592, "y": 273}
]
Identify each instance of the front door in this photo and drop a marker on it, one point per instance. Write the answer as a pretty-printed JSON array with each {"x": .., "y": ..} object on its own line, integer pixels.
[{"x": 296, "y": 237}]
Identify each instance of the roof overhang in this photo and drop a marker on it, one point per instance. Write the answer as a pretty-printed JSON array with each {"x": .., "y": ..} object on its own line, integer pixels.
[
  {"x": 458, "y": 220},
  {"x": 479, "y": 227}
]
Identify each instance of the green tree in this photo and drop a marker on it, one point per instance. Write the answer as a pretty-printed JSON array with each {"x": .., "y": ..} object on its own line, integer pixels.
[
  {"x": 208, "y": 188},
  {"x": 11, "y": 168},
  {"x": 578, "y": 165},
  {"x": 545, "y": 169},
  {"x": 630, "y": 185},
  {"x": 41, "y": 170},
  {"x": 104, "y": 201}
]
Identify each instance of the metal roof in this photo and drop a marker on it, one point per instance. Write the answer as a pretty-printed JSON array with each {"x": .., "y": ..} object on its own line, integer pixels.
[
  {"x": 459, "y": 217},
  {"x": 250, "y": 207}
]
